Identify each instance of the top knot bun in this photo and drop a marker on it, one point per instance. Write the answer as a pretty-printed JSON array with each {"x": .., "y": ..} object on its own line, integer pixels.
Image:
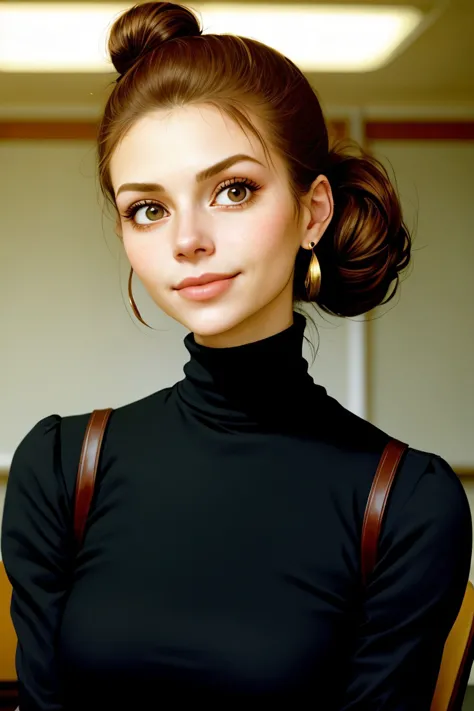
[{"x": 145, "y": 27}]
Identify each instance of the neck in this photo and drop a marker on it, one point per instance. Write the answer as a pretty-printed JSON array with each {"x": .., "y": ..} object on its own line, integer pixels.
[{"x": 251, "y": 386}]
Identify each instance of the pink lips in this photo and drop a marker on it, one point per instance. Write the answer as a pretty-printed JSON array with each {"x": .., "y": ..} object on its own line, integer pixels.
[
  {"x": 205, "y": 287},
  {"x": 203, "y": 279}
]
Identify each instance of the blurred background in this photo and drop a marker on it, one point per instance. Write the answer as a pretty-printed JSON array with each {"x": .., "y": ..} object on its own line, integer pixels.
[{"x": 70, "y": 342}]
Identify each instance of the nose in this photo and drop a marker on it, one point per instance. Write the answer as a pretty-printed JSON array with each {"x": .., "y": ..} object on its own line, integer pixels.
[{"x": 192, "y": 242}]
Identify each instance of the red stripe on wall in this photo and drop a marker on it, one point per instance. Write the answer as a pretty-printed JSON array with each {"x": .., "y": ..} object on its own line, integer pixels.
[{"x": 419, "y": 130}]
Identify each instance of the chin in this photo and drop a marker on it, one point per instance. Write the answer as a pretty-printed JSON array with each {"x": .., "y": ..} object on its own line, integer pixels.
[
  {"x": 209, "y": 321},
  {"x": 212, "y": 322}
]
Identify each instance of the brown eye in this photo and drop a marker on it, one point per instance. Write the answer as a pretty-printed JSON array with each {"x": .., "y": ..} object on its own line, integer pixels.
[
  {"x": 148, "y": 213},
  {"x": 235, "y": 193},
  {"x": 237, "y": 190}
]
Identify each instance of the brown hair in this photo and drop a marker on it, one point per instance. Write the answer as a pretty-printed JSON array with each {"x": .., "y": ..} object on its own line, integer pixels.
[{"x": 165, "y": 62}]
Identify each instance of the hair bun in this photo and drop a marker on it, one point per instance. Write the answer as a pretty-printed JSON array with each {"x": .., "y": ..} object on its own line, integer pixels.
[
  {"x": 368, "y": 244},
  {"x": 145, "y": 27}
]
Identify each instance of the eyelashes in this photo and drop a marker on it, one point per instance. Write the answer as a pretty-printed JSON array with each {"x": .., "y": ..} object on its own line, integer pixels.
[{"x": 130, "y": 212}]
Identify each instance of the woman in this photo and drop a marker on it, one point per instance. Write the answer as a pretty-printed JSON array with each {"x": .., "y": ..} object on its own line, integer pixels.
[{"x": 221, "y": 559}]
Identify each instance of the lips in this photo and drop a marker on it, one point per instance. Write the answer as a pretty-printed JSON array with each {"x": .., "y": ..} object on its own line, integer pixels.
[
  {"x": 203, "y": 279},
  {"x": 209, "y": 290}
]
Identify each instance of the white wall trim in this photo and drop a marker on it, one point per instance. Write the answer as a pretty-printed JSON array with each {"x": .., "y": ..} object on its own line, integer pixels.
[{"x": 357, "y": 376}]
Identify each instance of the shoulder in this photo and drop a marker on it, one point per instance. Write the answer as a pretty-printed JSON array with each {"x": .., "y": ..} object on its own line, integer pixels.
[
  {"x": 428, "y": 517},
  {"x": 39, "y": 445},
  {"x": 37, "y": 466},
  {"x": 36, "y": 487},
  {"x": 428, "y": 490},
  {"x": 425, "y": 492},
  {"x": 51, "y": 449}
]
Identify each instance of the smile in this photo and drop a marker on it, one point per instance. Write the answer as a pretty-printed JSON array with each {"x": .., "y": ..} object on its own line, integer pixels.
[{"x": 207, "y": 291}]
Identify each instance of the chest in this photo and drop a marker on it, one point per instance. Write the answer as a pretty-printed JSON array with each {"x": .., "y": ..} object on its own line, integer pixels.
[{"x": 234, "y": 574}]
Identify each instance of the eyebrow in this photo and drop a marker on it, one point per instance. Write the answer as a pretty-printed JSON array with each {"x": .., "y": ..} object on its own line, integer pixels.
[{"x": 200, "y": 177}]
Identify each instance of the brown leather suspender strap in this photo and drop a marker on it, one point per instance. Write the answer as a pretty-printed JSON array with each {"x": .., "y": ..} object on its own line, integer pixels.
[
  {"x": 87, "y": 470},
  {"x": 376, "y": 504}
]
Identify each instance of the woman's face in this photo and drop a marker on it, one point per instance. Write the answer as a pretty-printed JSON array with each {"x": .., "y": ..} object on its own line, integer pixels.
[{"x": 238, "y": 222}]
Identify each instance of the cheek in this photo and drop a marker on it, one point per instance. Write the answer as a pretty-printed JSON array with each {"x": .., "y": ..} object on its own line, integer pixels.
[
  {"x": 144, "y": 254},
  {"x": 270, "y": 239}
]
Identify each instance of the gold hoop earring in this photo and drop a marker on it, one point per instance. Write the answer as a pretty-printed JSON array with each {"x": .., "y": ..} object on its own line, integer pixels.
[
  {"x": 313, "y": 277},
  {"x": 132, "y": 300}
]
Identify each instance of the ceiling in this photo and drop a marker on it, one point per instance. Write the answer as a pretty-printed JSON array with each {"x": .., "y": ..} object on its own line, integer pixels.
[{"x": 435, "y": 71}]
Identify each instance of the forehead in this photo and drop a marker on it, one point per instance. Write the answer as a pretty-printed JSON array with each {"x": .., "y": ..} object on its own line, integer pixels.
[{"x": 181, "y": 139}]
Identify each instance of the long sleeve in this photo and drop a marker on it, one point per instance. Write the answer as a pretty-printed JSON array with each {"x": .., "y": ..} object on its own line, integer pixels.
[
  {"x": 36, "y": 549},
  {"x": 414, "y": 596}
]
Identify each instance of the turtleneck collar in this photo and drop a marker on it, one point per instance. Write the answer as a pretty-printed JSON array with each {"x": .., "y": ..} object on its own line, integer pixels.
[{"x": 255, "y": 386}]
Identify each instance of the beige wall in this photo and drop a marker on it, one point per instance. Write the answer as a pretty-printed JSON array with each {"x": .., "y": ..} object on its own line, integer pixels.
[{"x": 422, "y": 374}]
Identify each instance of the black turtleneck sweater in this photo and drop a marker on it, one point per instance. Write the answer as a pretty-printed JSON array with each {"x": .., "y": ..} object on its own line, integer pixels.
[{"x": 222, "y": 556}]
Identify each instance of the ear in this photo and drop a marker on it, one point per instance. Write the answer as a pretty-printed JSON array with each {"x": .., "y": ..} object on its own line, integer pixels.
[{"x": 319, "y": 203}]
